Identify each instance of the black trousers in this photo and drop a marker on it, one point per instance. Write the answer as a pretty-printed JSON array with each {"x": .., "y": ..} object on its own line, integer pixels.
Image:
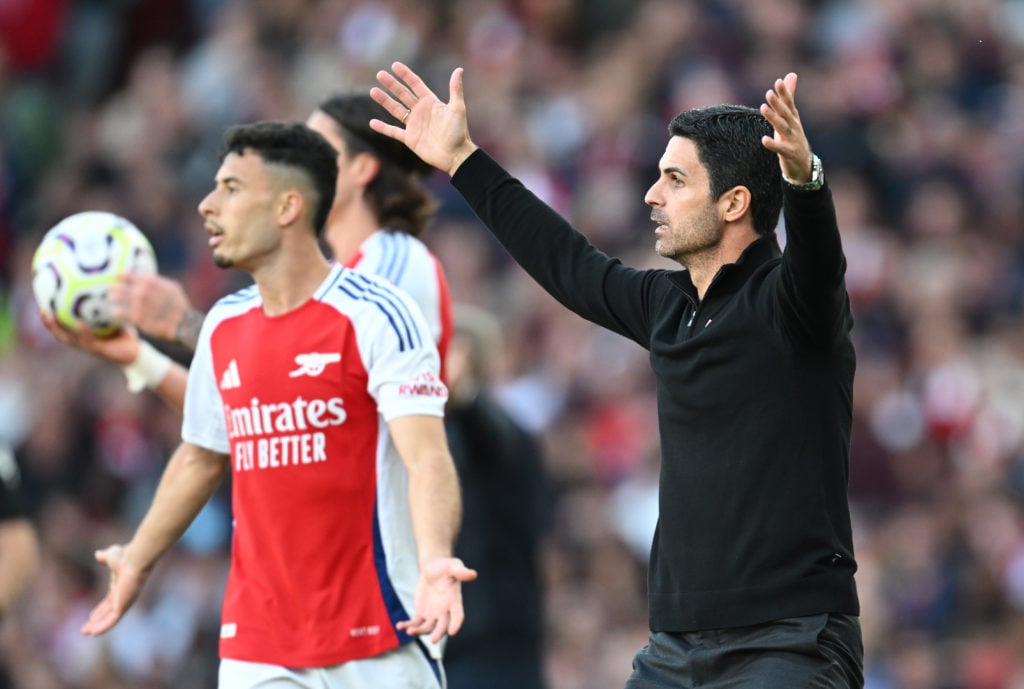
[{"x": 817, "y": 652}]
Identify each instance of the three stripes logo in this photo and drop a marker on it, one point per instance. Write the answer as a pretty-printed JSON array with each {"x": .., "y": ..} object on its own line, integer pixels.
[{"x": 230, "y": 379}]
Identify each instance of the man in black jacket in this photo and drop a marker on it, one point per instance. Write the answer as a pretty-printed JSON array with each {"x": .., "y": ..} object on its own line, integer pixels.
[{"x": 752, "y": 567}]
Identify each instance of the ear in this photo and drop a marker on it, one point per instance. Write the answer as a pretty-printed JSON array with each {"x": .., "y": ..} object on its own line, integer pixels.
[
  {"x": 365, "y": 167},
  {"x": 734, "y": 203},
  {"x": 290, "y": 207}
]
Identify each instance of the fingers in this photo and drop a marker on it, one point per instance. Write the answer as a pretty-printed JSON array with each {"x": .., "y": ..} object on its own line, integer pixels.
[
  {"x": 456, "y": 618},
  {"x": 444, "y": 624},
  {"x": 461, "y": 572},
  {"x": 455, "y": 87},
  {"x": 108, "y": 611},
  {"x": 404, "y": 89},
  {"x": 445, "y": 614},
  {"x": 119, "y": 292},
  {"x": 107, "y": 556},
  {"x": 397, "y": 110},
  {"x": 101, "y": 619},
  {"x": 440, "y": 627},
  {"x": 416, "y": 87},
  {"x": 79, "y": 336},
  {"x": 417, "y": 626},
  {"x": 789, "y": 139},
  {"x": 779, "y": 107},
  {"x": 56, "y": 329},
  {"x": 398, "y": 99}
]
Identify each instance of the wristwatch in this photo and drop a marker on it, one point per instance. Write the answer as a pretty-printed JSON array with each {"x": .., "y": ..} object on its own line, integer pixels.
[{"x": 817, "y": 177}]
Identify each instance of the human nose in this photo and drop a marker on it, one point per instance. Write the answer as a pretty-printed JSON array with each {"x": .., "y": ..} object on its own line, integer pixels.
[
  {"x": 652, "y": 197},
  {"x": 205, "y": 206}
]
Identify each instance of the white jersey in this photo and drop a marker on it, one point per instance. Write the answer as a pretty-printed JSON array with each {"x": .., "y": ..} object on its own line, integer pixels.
[
  {"x": 323, "y": 561},
  {"x": 408, "y": 264}
]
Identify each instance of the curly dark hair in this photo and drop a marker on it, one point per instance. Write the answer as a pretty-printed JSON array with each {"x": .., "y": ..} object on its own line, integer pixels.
[{"x": 295, "y": 145}]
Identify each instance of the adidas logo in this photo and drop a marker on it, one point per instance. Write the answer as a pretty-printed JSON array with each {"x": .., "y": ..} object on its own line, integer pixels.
[{"x": 230, "y": 378}]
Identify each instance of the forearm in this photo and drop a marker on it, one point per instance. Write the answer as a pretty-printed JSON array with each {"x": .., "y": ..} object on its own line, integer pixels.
[
  {"x": 191, "y": 477},
  {"x": 152, "y": 369},
  {"x": 813, "y": 241},
  {"x": 171, "y": 387},
  {"x": 19, "y": 557},
  {"x": 813, "y": 299},
  {"x": 561, "y": 259},
  {"x": 187, "y": 332},
  {"x": 436, "y": 506}
]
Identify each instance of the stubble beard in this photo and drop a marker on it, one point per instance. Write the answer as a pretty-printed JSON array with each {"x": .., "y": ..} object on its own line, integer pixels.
[
  {"x": 686, "y": 246},
  {"x": 222, "y": 261}
]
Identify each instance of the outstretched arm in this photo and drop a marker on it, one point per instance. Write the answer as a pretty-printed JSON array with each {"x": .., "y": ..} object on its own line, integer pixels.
[
  {"x": 436, "y": 509},
  {"x": 191, "y": 477},
  {"x": 560, "y": 259},
  {"x": 435, "y": 131}
]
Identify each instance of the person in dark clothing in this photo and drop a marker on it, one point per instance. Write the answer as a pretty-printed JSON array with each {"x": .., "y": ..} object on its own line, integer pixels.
[
  {"x": 505, "y": 516},
  {"x": 752, "y": 567}
]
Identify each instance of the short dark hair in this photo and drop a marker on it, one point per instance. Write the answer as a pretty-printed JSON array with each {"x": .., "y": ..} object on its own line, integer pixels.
[
  {"x": 728, "y": 140},
  {"x": 396, "y": 194},
  {"x": 294, "y": 145}
]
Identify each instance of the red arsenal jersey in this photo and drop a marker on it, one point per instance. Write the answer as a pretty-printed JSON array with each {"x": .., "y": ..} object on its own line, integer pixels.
[{"x": 323, "y": 561}]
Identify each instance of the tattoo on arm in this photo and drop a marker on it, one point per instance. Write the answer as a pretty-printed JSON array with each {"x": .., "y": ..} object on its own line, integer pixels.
[{"x": 187, "y": 332}]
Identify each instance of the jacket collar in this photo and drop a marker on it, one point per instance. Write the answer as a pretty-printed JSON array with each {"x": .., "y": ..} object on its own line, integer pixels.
[{"x": 732, "y": 275}]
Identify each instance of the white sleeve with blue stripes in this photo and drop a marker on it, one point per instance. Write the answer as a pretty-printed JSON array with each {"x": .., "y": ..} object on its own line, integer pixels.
[{"x": 397, "y": 348}]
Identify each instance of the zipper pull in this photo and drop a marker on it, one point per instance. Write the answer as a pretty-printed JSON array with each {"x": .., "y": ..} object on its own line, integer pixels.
[{"x": 692, "y": 316}]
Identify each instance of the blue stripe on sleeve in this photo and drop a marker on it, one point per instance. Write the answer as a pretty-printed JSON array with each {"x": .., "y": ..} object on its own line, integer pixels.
[
  {"x": 395, "y": 256},
  {"x": 362, "y": 288}
]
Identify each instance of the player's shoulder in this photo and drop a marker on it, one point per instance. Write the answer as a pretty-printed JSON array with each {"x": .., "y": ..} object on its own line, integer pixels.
[
  {"x": 388, "y": 240},
  {"x": 366, "y": 299},
  {"x": 352, "y": 290},
  {"x": 397, "y": 256}
]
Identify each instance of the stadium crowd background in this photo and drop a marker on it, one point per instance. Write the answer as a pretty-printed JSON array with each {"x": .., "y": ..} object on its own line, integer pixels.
[{"x": 915, "y": 106}]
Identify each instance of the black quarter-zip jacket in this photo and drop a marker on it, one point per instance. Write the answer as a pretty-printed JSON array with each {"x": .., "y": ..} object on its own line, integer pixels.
[{"x": 754, "y": 391}]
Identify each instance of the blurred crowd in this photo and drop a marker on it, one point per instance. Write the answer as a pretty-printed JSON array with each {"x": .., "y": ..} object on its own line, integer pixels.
[{"x": 915, "y": 106}]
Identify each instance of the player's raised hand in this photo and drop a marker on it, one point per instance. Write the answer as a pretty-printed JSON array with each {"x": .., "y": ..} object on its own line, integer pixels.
[
  {"x": 125, "y": 584},
  {"x": 438, "y": 603},
  {"x": 437, "y": 132},
  {"x": 121, "y": 347},
  {"x": 790, "y": 140}
]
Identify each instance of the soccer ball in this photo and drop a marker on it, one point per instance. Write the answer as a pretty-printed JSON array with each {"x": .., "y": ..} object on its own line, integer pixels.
[{"x": 79, "y": 258}]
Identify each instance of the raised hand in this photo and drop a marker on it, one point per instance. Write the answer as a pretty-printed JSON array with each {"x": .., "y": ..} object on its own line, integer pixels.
[
  {"x": 438, "y": 603},
  {"x": 435, "y": 131},
  {"x": 790, "y": 140},
  {"x": 155, "y": 304}
]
